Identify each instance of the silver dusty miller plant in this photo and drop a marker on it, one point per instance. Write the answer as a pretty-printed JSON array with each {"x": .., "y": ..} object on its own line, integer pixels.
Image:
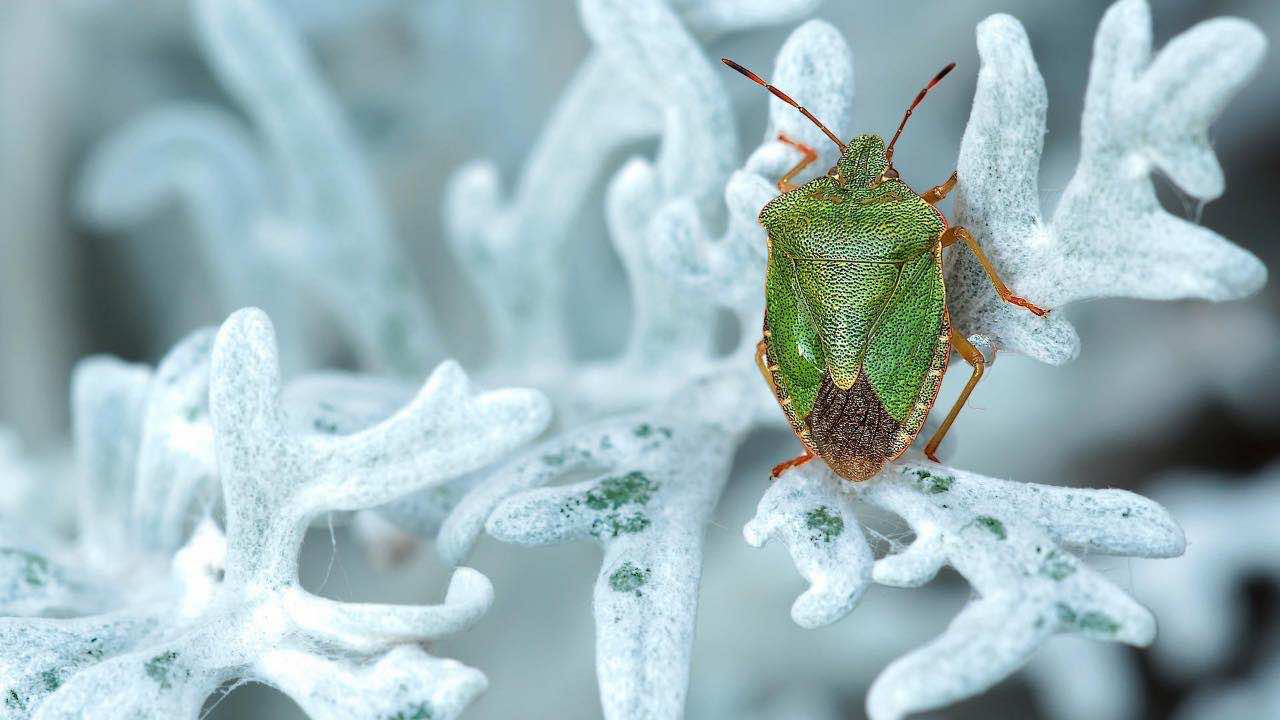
[
  {"x": 1016, "y": 543},
  {"x": 199, "y": 478},
  {"x": 228, "y": 606}
]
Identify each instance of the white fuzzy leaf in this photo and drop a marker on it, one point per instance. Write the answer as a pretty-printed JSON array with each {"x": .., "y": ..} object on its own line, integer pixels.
[{"x": 1108, "y": 235}]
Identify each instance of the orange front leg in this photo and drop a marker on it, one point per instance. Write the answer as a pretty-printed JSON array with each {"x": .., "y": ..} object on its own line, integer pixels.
[
  {"x": 954, "y": 233},
  {"x": 934, "y": 195},
  {"x": 810, "y": 156}
]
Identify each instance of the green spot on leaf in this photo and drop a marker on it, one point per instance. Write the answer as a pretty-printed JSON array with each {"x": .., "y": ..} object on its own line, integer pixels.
[
  {"x": 1057, "y": 566},
  {"x": 993, "y": 525},
  {"x": 417, "y": 711},
  {"x": 644, "y": 430},
  {"x": 161, "y": 669},
  {"x": 1091, "y": 621},
  {"x": 614, "y": 492},
  {"x": 615, "y": 524},
  {"x": 51, "y": 680},
  {"x": 629, "y": 578},
  {"x": 1099, "y": 623},
  {"x": 931, "y": 483},
  {"x": 826, "y": 525}
]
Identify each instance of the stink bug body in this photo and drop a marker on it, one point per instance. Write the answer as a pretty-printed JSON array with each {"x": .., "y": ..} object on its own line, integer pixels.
[{"x": 856, "y": 331}]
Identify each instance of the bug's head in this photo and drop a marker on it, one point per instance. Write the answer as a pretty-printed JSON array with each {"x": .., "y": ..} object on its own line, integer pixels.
[{"x": 862, "y": 163}]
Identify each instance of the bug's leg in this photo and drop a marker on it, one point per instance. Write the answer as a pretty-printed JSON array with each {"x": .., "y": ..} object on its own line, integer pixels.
[
  {"x": 972, "y": 356},
  {"x": 796, "y": 461},
  {"x": 810, "y": 155},
  {"x": 761, "y": 347},
  {"x": 765, "y": 370},
  {"x": 934, "y": 195},
  {"x": 808, "y": 455},
  {"x": 954, "y": 233}
]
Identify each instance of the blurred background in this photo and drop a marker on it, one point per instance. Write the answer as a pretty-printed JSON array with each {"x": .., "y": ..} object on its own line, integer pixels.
[{"x": 1179, "y": 401}]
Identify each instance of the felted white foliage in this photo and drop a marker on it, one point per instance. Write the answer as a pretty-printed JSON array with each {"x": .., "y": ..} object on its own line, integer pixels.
[
  {"x": 656, "y": 477},
  {"x": 326, "y": 226},
  {"x": 1230, "y": 527},
  {"x": 646, "y": 68},
  {"x": 1013, "y": 542},
  {"x": 655, "y": 484},
  {"x": 234, "y": 607},
  {"x": 175, "y": 468},
  {"x": 659, "y": 472},
  {"x": 144, "y": 452},
  {"x": 810, "y": 520},
  {"x": 1108, "y": 235},
  {"x": 672, "y": 328},
  {"x": 990, "y": 537},
  {"x": 815, "y": 64}
]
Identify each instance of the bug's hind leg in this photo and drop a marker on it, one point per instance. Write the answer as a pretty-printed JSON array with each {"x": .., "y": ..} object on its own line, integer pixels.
[
  {"x": 934, "y": 195},
  {"x": 766, "y": 371},
  {"x": 972, "y": 356},
  {"x": 954, "y": 233},
  {"x": 796, "y": 461},
  {"x": 810, "y": 155}
]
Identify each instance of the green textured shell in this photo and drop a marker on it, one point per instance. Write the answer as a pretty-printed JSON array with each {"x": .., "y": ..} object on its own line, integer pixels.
[{"x": 855, "y": 320}]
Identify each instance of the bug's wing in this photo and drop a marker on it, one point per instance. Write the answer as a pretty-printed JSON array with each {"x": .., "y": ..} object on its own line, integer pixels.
[
  {"x": 794, "y": 345},
  {"x": 901, "y": 351},
  {"x": 846, "y": 301}
]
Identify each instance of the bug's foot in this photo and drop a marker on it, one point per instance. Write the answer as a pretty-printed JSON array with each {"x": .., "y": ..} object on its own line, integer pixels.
[
  {"x": 1025, "y": 303},
  {"x": 793, "y": 462},
  {"x": 805, "y": 150}
]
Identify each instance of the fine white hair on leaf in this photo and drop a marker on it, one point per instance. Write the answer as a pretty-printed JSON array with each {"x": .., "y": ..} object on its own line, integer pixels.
[
  {"x": 1014, "y": 543},
  {"x": 233, "y": 607},
  {"x": 656, "y": 474},
  {"x": 175, "y": 453},
  {"x": 818, "y": 523},
  {"x": 655, "y": 480},
  {"x": 1108, "y": 236}
]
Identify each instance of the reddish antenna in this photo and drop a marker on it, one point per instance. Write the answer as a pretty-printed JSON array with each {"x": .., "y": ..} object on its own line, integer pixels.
[
  {"x": 786, "y": 99},
  {"x": 888, "y": 152}
]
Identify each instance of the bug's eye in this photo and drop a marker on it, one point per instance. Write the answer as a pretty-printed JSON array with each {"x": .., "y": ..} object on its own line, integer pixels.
[{"x": 891, "y": 172}]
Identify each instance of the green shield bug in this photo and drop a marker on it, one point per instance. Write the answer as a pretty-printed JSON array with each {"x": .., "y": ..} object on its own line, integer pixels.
[{"x": 856, "y": 331}]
